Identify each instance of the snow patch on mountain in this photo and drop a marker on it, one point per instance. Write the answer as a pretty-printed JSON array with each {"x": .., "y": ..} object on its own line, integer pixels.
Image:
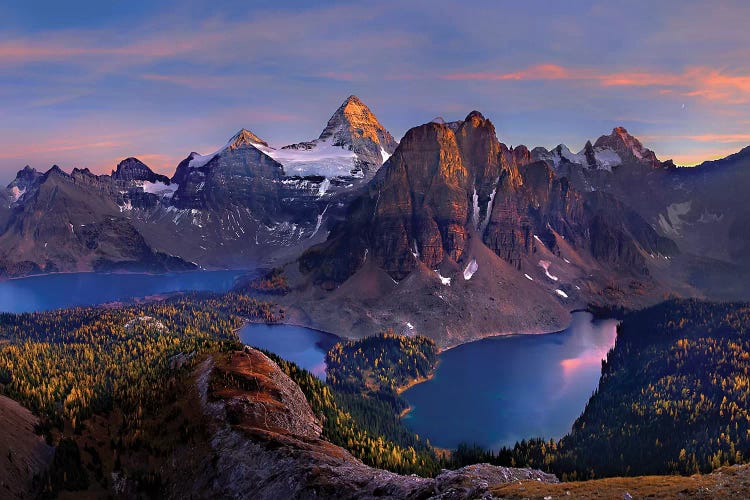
[
  {"x": 320, "y": 223},
  {"x": 321, "y": 158},
  {"x": 443, "y": 279},
  {"x": 471, "y": 269},
  {"x": 544, "y": 264},
  {"x": 671, "y": 223},
  {"x": 475, "y": 205},
  {"x": 324, "y": 187},
  {"x": 487, "y": 215},
  {"x": 384, "y": 154},
  {"x": 606, "y": 159},
  {"x": 566, "y": 153},
  {"x": 159, "y": 188},
  {"x": 15, "y": 193}
]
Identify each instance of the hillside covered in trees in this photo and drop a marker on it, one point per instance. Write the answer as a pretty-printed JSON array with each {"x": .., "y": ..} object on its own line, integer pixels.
[
  {"x": 106, "y": 383},
  {"x": 673, "y": 398}
]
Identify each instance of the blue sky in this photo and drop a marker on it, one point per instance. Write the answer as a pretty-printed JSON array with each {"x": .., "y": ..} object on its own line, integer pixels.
[{"x": 87, "y": 83}]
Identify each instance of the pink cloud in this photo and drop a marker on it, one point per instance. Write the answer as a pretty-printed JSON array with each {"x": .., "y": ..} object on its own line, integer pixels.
[{"x": 701, "y": 82}]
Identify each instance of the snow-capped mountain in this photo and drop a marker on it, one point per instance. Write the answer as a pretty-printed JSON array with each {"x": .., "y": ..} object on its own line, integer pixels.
[
  {"x": 25, "y": 182},
  {"x": 352, "y": 146},
  {"x": 608, "y": 152},
  {"x": 244, "y": 202}
]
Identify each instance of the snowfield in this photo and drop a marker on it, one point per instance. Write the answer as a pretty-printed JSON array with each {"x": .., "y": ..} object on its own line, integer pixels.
[
  {"x": 322, "y": 159},
  {"x": 606, "y": 159},
  {"x": 159, "y": 188}
]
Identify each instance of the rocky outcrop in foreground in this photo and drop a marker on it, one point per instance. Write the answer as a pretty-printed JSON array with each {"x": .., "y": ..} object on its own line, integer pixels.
[
  {"x": 24, "y": 456},
  {"x": 267, "y": 444}
]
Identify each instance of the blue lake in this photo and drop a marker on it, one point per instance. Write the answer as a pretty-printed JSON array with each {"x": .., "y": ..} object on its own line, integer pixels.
[
  {"x": 492, "y": 392},
  {"x": 305, "y": 347},
  {"x": 500, "y": 390},
  {"x": 53, "y": 291}
]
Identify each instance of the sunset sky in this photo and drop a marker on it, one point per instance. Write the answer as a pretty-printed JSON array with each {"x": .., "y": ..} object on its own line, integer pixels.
[{"x": 86, "y": 83}]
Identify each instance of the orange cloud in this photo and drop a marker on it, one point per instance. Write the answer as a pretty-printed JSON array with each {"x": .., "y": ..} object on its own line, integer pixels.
[{"x": 702, "y": 82}]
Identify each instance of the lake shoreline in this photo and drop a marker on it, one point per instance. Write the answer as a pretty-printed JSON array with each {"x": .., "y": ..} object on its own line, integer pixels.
[{"x": 496, "y": 393}]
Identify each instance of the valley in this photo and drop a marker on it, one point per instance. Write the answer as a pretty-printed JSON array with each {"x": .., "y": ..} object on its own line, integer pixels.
[
  {"x": 374, "y": 250},
  {"x": 403, "y": 318}
]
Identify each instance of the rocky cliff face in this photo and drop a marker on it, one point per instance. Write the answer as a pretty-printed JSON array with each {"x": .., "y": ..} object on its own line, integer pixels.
[
  {"x": 445, "y": 183},
  {"x": 133, "y": 169},
  {"x": 701, "y": 208}
]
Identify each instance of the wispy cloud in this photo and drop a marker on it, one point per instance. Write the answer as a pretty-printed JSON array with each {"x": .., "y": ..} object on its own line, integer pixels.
[{"x": 702, "y": 82}]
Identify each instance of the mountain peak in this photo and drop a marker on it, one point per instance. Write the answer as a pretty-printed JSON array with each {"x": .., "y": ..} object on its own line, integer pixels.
[
  {"x": 475, "y": 115},
  {"x": 245, "y": 138},
  {"x": 133, "y": 169},
  {"x": 627, "y": 146},
  {"x": 354, "y": 100},
  {"x": 353, "y": 120}
]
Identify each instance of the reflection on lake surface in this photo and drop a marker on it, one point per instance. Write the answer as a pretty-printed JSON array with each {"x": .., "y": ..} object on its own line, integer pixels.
[
  {"x": 53, "y": 291},
  {"x": 305, "y": 347},
  {"x": 500, "y": 390}
]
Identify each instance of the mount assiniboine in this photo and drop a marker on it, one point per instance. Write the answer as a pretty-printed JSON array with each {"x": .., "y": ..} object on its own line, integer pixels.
[{"x": 450, "y": 233}]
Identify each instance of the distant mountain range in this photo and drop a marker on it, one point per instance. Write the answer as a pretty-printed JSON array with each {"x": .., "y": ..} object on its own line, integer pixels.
[
  {"x": 450, "y": 232},
  {"x": 234, "y": 207}
]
